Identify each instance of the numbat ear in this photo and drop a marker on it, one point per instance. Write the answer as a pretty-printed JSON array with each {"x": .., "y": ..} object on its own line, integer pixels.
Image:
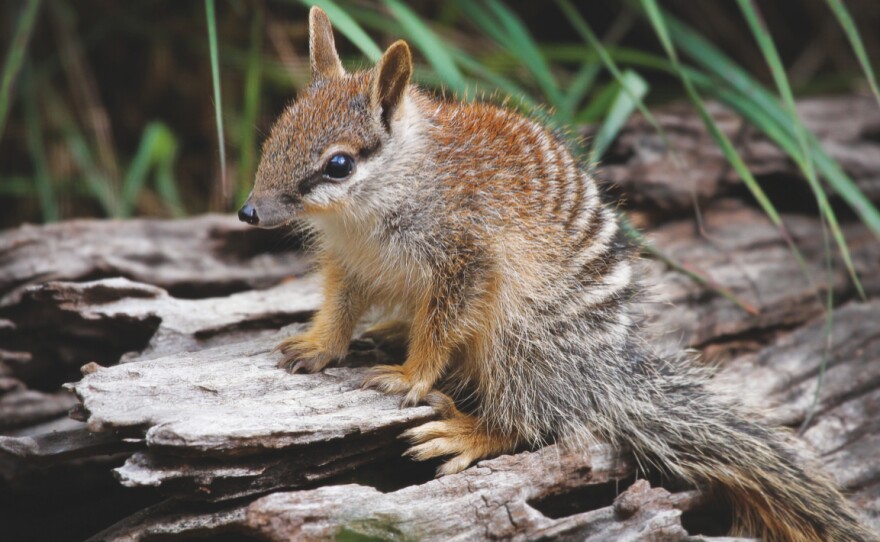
[
  {"x": 322, "y": 49},
  {"x": 390, "y": 80}
]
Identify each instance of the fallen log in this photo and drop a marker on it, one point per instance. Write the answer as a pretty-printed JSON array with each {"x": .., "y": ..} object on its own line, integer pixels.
[
  {"x": 784, "y": 372},
  {"x": 198, "y": 412}
]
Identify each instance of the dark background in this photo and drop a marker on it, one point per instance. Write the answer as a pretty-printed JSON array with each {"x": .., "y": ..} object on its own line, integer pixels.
[{"x": 118, "y": 66}]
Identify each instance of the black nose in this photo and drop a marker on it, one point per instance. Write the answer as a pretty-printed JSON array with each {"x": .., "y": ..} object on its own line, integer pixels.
[{"x": 248, "y": 213}]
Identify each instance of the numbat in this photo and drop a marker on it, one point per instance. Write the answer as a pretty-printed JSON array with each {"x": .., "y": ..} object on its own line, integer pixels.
[{"x": 513, "y": 282}]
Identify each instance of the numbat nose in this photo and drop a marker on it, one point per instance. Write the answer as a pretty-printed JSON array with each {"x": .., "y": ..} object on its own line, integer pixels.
[{"x": 248, "y": 213}]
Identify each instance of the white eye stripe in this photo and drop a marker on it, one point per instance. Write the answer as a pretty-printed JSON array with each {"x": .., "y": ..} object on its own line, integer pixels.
[{"x": 329, "y": 192}]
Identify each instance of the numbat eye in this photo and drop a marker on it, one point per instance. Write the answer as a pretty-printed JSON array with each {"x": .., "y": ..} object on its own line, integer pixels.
[{"x": 339, "y": 166}]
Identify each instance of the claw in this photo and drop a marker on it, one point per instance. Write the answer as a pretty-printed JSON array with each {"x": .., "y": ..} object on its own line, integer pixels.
[
  {"x": 432, "y": 448},
  {"x": 409, "y": 400},
  {"x": 387, "y": 378},
  {"x": 301, "y": 354},
  {"x": 454, "y": 465},
  {"x": 462, "y": 438}
]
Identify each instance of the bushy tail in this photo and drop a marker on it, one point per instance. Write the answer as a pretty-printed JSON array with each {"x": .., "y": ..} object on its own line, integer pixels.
[{"x": 688, "y": 432}]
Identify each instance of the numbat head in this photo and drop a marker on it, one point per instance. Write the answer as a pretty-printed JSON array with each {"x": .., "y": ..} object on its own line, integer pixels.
[
  {"x": 511, "y": 283},
  {"x": 342, "y": 137}
]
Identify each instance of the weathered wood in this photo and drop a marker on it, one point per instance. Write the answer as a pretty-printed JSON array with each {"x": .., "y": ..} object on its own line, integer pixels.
[
  {"x": 71, "y": 314},
  {"x": 548, "y": 494},
  {"x": 743, "y": 252},
  {"x": 194, "y": 257},
  {"x": 62, "y": 325},
  {"x": 21, "y": 407},
  {"x": 234, "y": 399},
  {"x": 232, "y": 403},
  {"x": 497, "y": 499},
  {"x": 783, "y": 373},
  {"x": 60, "y": 442},
  {"x": 76, "y": 319},
  {"x": 843, "y": 429},
  {"x": 171, "y": 520},
  {"x": 639, "y": 164},
  {"x": 223, "y": 422},
  {"x": 200, "y": 412}
]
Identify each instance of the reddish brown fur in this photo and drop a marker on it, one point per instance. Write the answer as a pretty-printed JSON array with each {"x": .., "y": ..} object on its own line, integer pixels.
[{"x": 476, "y": 226}]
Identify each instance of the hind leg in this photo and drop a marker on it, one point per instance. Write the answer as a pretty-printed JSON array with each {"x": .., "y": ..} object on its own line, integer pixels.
[{"x": 459, "y": 435}]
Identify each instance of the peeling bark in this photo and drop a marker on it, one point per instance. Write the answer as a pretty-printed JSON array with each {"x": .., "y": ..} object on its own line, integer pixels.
[
  {"x": 174, "y": 324},
  {"x": 194, "y": 257},
  {"x": 640, "y": 166}
]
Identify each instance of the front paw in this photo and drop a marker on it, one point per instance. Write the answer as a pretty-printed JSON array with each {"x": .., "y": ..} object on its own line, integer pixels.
[
  {"x": 397, "y": 380},
  {"x": 302, "y": 353}
]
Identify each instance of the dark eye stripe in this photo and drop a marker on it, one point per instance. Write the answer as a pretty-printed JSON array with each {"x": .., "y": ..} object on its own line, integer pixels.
[
  {"x": 369, "y": 150},
  {"x": 309, "y": 183}
]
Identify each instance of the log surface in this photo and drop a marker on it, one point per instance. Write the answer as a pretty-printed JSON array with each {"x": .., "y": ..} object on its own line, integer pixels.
[{"x": 182, "y": 425}]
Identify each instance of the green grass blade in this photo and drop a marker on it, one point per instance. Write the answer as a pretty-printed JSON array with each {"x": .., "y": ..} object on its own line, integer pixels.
[
  {"x": 157, "y": 150},
  {"x": 167, "y": 189},
  {"x": 247, "y": 152},
  {"x": 17, "y": 186},
  {"x": 523, "y": 46},
  {"x": 583, "y": 81},
  {"x": 599, "y": 105},
  {"x": 718, "y": 64},
  {"x": 657, "y": 21},
  {"x": 623, "y": 106},
  {"x": 828, "y": 333},
  {"x": 581, "y": 27},
  {"x": 578, "y": 88},
  {"x": 15, "y": 57},
  {"x": 76, "y": 143},
  {"x": 436, "y": 51},
  {"x": 476, "y": 13},
  {"x": 215, "y": 81},
  {"x": 164, "y": 157},
  {"x": 768, "y": 49},
  {"x": 45, "y": 185},
  {"x": 136, "y": 175},
  {"x": 498, "y": 82},
  {"x": 855, "y": 40},
  {"x": 348, "y": 27}
]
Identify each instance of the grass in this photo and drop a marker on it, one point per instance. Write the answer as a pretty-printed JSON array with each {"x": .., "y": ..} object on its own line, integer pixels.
[
  {"x": 855, "y": 39},
  {"x": 42, "y": 178},
  {"x": 595, "y": 81},
  {"x": 247, "y": 130},
  {"x": 211, "y": 19},
  {"x": 15, "y": 56}
]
